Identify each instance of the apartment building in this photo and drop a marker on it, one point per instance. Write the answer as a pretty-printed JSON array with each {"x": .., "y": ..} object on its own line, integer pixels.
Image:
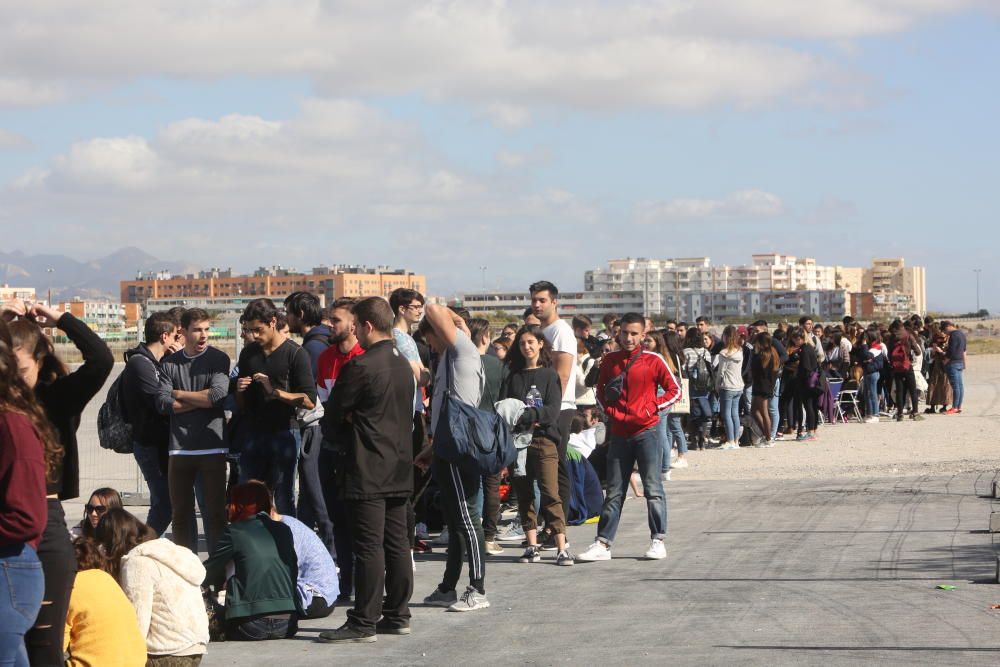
[
  {"x": 102, "y": 315},
  {"x": 328, "y": 282},
  {"x": 8, "y": 293},
  {"x": 744, "y": 305}
]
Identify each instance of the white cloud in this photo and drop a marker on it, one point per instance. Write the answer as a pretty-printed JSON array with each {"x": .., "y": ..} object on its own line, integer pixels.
[
  {"x": 353, "y": 176},
  {"x": 12, "y": 141},
  {"x": 737, "y": 206},
  {"x": 507, "y": 59}
]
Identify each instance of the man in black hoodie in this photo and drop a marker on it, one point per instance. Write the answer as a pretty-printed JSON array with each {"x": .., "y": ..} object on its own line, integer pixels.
[
  {"x": 370, "y": 415},
  {"x": 141, "y": 382}
]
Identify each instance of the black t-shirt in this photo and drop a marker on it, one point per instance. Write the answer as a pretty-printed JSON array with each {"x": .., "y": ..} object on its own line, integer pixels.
[{"x": 290, "y": 369}]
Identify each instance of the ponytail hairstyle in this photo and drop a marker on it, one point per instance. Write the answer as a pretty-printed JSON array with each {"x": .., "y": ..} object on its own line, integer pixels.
[
  {"x": 16, "y": 396},
  {"x": 28, "y": 336}
]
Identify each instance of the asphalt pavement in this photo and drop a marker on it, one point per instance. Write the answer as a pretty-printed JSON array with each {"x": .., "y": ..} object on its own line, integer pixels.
[{"x": 759, "y": 572}]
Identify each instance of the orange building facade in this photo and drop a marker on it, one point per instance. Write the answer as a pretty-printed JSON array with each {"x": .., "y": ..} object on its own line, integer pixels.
[{"x": 328, "y": 283}]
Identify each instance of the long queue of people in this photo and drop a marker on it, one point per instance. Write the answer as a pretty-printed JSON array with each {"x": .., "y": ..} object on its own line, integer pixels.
[{"x": 349, "y": 417}]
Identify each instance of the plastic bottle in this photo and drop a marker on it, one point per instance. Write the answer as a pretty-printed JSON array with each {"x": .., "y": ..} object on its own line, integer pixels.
[{"x": 534, "y": 398}]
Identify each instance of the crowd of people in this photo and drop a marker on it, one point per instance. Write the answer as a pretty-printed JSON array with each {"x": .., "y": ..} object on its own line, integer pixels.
[{"x": 349, "y": 418}]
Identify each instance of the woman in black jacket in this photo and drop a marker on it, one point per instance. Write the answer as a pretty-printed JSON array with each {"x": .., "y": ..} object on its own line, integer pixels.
[
  {"x": 806, "y": 388},
  {"x": 63, "y": 396},
  {"x": 532, "y": 380}
]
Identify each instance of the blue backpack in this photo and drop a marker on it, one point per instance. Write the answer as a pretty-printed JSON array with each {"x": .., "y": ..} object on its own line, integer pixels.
[{"x": 475, "y": 440}]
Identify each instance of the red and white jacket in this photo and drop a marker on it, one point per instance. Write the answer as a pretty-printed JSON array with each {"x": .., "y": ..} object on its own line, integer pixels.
[{"x": 638, "y": 407}]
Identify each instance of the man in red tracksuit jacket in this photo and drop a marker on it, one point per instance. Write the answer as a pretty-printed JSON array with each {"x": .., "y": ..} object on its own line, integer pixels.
[{"x": 627, "y": 388}]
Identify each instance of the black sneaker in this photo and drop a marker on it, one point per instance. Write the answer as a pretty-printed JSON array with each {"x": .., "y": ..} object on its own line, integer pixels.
[
  {"x": 549, "y": 543},
  {"x": 346, "y": 634},
  {"x": 384, "y": 627}
]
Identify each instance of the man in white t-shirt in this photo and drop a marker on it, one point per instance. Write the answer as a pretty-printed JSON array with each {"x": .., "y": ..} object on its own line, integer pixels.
[{"x": 563, "y": 347}]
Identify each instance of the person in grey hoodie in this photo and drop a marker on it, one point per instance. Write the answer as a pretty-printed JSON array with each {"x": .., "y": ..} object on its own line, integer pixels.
[
  {"x": 729, "y": 377},
  {"x": 196, "y": 384}
]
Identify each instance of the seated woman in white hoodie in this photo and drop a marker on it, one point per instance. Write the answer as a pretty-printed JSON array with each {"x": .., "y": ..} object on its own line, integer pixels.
[{"x": 163, "y": 582}]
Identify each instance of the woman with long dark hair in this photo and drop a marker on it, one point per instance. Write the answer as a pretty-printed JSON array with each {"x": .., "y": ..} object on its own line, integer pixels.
[
  {"x": 764, "y": 368},
  {"x": 29, "y": 450},
  {"x": 63, "y": 395},
  {"x": 531, "y": 378},
  {"x": 101, "y": 500},
  {"x": 806, "y": 388}
]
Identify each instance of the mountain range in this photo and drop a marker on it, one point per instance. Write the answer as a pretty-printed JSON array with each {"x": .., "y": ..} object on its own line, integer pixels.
[{"x": 68, "y": 277}]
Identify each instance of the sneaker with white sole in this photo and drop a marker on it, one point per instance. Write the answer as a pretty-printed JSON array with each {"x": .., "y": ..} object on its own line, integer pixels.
[
  {"x": 531, "y": 555},
  {"x": 512, "y": 532},
  {"x": 442, "y": 539},
  {"x": 596, "y": 551},
  {"x": 679, "y": 463},
  {"x": 665, "y": 476},
  {"x": 493, "y": 548},
  {"x": 729, "y": 445},
  {"x": 439, "y": 599},
  {"x": 471, "y": 600},
  {"x": 657, "y": 550},
  {"x": 564, "y": 558}
]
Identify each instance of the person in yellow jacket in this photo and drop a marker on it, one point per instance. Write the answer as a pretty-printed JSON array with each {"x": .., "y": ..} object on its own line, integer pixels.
[{"x": 101, "y": 626}]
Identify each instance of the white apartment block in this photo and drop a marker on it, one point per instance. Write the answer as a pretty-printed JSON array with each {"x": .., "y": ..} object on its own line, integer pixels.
[
  {"x": 593, "y": 304},
  {"x": 8, "y": 293}
]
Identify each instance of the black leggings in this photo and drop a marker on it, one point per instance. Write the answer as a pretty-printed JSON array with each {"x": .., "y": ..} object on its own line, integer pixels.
[
  {"x": 44, "y": 641},
  {"x": 804, "y": 400},
  {"x": 906, "y": 385}
]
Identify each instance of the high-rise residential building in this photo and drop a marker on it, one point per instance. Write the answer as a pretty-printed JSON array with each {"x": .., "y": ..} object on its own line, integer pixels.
[
  {"x": 329, "y": 283},
  {"x": 665, "y": 284},
  {"x": 784, "y": 305},
  {"x": 897, "y": 289},
  {"x": 102, "y": 315}
]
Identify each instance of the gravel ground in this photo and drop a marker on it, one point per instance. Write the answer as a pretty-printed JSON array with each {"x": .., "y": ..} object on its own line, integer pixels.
[{"x": 940, "y": 444}]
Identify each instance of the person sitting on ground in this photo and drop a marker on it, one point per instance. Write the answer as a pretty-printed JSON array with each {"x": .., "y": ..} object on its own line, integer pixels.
[
  {"x": 101, "y": 627},
  {"x": 317, "y": 572},
  {"x": 261, "y": 600},
  {"x": 161, "y": 579},
  {"x": 101, "y": 500}
]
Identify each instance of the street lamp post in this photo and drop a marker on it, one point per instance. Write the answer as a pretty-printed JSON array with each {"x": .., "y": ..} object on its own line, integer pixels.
[
  {"x": 48, "y": 277},
  {"x": 483, "y": 269},
  {"x": 978, "y": 273}
]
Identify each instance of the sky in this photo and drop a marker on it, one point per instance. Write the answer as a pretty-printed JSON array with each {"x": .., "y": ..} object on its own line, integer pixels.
[{"x": 537, "y": 139}]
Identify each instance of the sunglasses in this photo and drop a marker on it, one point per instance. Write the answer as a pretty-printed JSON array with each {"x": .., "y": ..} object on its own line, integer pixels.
[{"x": 100, "y": 509}]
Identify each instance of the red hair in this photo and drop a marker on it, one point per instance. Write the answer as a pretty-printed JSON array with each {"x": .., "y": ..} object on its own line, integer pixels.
[{"x": 246, "y": 500}]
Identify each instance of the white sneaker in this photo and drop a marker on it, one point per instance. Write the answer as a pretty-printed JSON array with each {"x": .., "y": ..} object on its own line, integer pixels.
[
  {"x": 596, "y": 551},
  {"x": 657, "y": 551},
  {"x": 729, "y": 445},
  {"x": 871, "y": 420},
  {"x": 679, "y": 463},
  {"x": 665, "y": 476}
]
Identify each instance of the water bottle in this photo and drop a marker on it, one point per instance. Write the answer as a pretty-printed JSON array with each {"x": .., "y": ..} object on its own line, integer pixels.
[{"x": 534, "y": 398}]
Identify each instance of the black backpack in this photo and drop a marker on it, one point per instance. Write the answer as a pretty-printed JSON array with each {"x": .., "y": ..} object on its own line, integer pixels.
[
  {"x": 113, "y": 430},
  {"x": 701, "y": 376}
]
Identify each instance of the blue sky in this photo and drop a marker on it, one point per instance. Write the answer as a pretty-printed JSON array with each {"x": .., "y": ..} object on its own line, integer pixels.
[{"x": 538, "y": 139}]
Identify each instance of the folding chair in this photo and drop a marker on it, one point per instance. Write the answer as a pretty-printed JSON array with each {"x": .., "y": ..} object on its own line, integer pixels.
[
  {"x": 849, "y": 396},
  {"x": 836, "y": 388}
]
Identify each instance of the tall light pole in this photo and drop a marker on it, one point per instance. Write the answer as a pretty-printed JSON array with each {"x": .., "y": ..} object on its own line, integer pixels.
[
  {"x": 483, "y": 269},
  {"x": 48, "y": 277},
  {"x": 978, "y": 273}
]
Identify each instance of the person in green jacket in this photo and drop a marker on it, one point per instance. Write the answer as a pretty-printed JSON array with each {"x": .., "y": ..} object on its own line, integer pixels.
[{"x": 261, "y": 600}]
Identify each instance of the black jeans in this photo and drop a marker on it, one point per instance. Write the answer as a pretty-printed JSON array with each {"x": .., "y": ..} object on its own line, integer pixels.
[
  {"x": 381, "y": 563},
  {"x": 906, "y": 385},
  {"x": 318, "y": 608},
  {"x": 262, "y": 627},
  {"x": 182, "y": 473},
  {"x": 312, "y": 503},
  {"x": 338, "y": 512},
  {"x": 804, "y": 400},
  {"x": 460, "y": 503},
  {"x": 45, "y": 639}
]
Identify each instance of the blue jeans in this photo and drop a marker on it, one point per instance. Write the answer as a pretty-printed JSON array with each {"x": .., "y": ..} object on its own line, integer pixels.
[
  {"x": 871, "y": 394},
  {"x": 160, "y": 509},
  {"x": 671, "y": 430},
  {"x": 272, "y": 458},
  {"x": 730, "y": 409},
  {"x": 22, "y": 585},
  {"x": 954, "y": 373},
  {"x": 623, "y": 454},
  {"x": 772, "y": 407}
]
